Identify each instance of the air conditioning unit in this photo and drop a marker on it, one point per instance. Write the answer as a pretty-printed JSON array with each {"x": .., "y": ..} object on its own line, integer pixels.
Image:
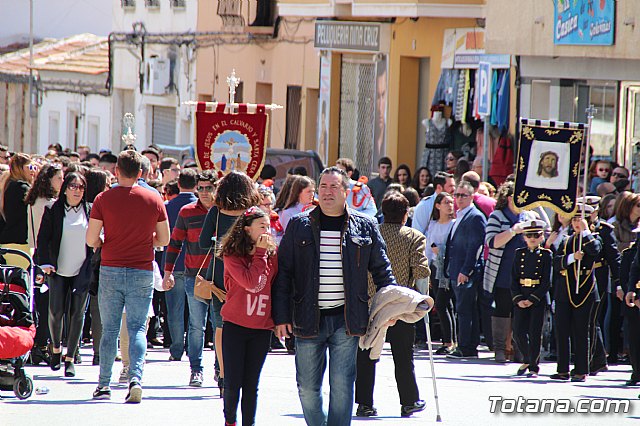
[{"x": 156, "y": 76}]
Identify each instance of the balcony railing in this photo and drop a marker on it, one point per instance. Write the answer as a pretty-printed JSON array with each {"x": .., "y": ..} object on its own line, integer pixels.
[
  {"x": 128, "y": 4},
  {"x": 243, "y": 13}
]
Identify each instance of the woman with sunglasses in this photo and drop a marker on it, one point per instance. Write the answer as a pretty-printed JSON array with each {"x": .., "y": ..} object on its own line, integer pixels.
[
  {"x": 42, "y": 194},
  {"x": 531, "y": 279},
  {"x": 65, "y": 256},
  {"x": 503, "y": 237},
  {"x": 13, "y": 223}
]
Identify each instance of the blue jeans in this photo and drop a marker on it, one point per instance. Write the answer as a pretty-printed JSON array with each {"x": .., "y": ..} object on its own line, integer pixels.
[
  {"x": 468, "y": 321},
  {"x": 175, "y": 299},
  {"x": 130, "y": 289},
  {"x": 197, "y": 325},
  {"x": 311, "y": 362}
]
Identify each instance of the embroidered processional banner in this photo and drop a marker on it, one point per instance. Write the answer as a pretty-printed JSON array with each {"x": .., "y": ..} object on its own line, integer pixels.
[
  {"x": 549, "y": 164},
  {"x": 231, "y": 141}
]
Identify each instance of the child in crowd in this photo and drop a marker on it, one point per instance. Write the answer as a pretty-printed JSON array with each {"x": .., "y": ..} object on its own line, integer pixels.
[
  {"x": 531, "y": 281},
  {"x": 600, "y": 173},
  {"x": 250, "y": 265}
]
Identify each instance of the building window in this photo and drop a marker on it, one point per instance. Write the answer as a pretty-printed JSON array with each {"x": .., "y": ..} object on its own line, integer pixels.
[
  {"x": 54, "y": 127},
  {"x": 294, "y": 110},
  {"x": 230, "y": 11},
  {"x": 152, "y": 4},
  {"x": 128, "y": 4},
  {"x": 93, "y": 133},
  {"x": 178, "y": 4},
  {"x": 358, "y": 111},
  {"x": 604, "y": 97}
]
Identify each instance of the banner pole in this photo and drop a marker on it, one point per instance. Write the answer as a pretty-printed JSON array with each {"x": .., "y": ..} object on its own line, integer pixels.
[{"x": 590, "y": 113}]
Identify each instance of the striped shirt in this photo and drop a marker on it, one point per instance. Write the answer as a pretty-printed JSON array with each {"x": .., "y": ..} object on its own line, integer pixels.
[
  {"x": 331, "y": 292},
  {"x": 185, "y": 236}
]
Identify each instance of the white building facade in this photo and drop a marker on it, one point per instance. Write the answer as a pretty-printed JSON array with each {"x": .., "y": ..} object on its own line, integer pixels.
[{"x": 152, "y": 71}]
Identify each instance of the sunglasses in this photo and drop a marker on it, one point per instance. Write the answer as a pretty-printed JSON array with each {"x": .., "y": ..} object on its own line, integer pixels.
[
  {"x": 76, "y": 187},
  {"x": 460, "y": 195},
  {"x": 205, "y": 189},
  {"x": 620, "y": 175},
  {"x": 450, "y": 158},
  {"x": 603, "y": 170},
  {"x": 533, "y": 234}
]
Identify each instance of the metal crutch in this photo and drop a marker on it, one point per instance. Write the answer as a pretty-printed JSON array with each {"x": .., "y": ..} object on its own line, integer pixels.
[{"x": 433, "y": 370}]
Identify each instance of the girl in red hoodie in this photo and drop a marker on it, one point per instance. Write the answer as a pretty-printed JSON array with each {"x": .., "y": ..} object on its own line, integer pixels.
[{"x": 250, "y": 265}]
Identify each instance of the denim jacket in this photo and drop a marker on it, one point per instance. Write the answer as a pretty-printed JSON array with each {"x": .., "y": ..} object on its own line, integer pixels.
[{"x": 295, "y": 290}]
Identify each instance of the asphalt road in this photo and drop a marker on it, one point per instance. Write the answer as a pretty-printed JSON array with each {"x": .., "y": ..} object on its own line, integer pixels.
[{"x": 466, "y": 390}]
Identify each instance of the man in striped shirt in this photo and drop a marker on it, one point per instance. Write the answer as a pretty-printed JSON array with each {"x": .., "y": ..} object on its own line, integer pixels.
[
  {"x": 321, "y": 294},
  {"x": 186, "y": 234}
]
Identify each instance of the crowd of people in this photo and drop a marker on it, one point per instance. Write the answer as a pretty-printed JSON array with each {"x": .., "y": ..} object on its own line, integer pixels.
[{"x": 137, "y": 244}]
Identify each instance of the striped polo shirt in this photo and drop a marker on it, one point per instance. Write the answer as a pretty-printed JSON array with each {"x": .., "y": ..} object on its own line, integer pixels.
[{"x": 331, "y": 291}]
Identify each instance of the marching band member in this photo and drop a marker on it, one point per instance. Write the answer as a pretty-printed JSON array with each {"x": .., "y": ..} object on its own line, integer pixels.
[
  {"x": 531, "y": 279},
  {"x": 607, "y": 266},
  {"x": 573, "y": 309}
]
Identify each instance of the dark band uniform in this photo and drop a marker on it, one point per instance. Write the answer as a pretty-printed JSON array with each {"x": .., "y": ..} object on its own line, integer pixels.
[
  {"x": 607, "y": 264},
  {"x": 573, "y": 310},
  {"x": 530, "y": 280},
  {"x": 632, "y": 314}
]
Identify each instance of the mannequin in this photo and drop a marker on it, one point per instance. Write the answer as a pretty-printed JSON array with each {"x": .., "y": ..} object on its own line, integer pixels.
[{"x": 437, "y": 142}]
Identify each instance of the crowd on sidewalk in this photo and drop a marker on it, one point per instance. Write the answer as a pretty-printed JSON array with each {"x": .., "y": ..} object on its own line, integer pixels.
[{"x": 135, "y": 245}]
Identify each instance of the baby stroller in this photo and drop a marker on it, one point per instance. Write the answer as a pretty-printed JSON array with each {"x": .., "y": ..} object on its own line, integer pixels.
[{"x": 17, "y": 325}]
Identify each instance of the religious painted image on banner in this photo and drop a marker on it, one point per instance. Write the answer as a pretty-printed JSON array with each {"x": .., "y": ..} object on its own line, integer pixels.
[
  {"x": 231, "y": 151},
  {"x": 549, "y": 165}
]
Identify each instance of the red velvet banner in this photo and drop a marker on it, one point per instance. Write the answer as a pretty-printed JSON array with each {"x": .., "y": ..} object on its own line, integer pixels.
[{"x": 231, "y": 141}]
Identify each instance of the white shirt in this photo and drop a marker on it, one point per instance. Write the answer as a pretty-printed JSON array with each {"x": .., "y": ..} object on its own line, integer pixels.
[
  {"x": 73, "y": 242},
  {"x": 459, "y": 216}
]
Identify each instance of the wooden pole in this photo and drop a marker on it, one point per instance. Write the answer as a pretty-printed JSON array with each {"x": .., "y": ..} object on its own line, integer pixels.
[{"x": 590, "y": 113}]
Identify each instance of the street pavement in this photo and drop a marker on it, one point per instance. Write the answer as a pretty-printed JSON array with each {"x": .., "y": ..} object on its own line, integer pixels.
[{"x": 464, "y": 388}]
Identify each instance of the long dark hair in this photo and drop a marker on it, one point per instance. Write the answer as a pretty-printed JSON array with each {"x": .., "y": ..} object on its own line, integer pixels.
[
  {"x": 300, "y": 184},
  {"x": 406, "y": 169},
  {"x": 415, "y": 182},
  {"x": 283, "y": 195},
  {"x": 435, "y": 213},
  {"x": 236, "y": 241},
  {"x": 505, "y": 191},
  {"x": 42, "y": 187},
  {"x": 96, "y": 183},
  {"x": 236, "y": 191},
  {"x": 70, "y": 177}
]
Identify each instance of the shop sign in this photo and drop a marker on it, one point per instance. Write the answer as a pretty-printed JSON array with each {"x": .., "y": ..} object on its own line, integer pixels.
[
  {"x": 341, "y": 35},
  {"x": 584, "y": 22},
  {"x": 463, "y": 48}
]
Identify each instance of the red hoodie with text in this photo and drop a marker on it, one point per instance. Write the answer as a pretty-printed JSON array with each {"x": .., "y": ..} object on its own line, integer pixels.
[{"x": 248, "y": 280}]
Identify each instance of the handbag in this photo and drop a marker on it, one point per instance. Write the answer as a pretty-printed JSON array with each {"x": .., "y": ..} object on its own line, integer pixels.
[{"x": 204, "y": 290}]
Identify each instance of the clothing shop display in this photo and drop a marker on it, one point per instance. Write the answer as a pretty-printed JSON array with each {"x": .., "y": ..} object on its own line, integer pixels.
[{"x": 437, "y": 144}]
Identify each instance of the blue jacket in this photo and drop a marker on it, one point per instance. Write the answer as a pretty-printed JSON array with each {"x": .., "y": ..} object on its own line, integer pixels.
[
  {"x": 295, "y": 289},
  {"x": 464, "y": 249}
]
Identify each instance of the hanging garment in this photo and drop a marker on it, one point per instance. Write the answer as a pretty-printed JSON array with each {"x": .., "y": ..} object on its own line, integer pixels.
[
  {"x": 436, "y": 148},
  {"x": 502, "y": 164},
  {"x": 447, "y": 88},
  {"x": 494, "y": 98},
  {"x": 503, "y": 101},
  {"x": 471, "y": 97},
  {"x": 461, "y": 95}
]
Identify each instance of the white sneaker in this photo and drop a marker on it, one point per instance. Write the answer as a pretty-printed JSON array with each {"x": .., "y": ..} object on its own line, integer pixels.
[
  {"x": 124, "y": 375},
  {"x": 135, "y": 393}
]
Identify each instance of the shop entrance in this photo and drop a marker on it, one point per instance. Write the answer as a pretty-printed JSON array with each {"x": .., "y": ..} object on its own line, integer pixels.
[{"x": 629, "y": 130}]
